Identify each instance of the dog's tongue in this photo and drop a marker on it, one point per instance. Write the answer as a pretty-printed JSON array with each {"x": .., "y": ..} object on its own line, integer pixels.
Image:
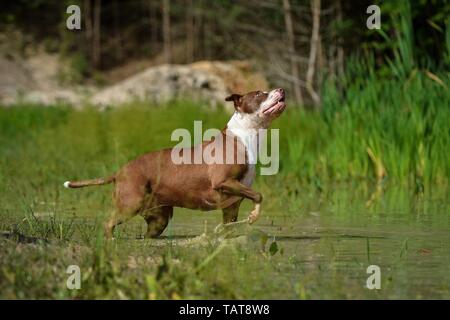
[{"x": 277, "y": 106}]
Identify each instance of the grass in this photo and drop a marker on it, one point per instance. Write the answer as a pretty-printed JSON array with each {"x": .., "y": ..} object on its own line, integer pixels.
[{"x": 381, "y": 127}]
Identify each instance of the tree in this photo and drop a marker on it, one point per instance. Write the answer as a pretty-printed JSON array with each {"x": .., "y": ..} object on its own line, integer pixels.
[
  {"x": 166, "y": 31},
  {"x": 292, "y": 53},
  {"x": 96, "y": 45},
  {"x": 315, "y": 39}
]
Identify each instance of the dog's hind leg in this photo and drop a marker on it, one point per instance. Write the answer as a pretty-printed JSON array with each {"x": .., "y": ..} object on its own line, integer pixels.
[
  {"x": 157, "y": 221},
  {"x": 115, "y": 219},
  {"x": 129, "y": 200}
]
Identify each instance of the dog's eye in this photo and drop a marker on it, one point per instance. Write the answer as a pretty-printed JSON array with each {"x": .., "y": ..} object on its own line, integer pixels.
[{"x": 258, "y": 93}]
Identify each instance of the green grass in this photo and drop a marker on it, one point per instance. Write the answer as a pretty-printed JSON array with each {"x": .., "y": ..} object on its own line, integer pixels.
[{"x": 402, "y": 123}]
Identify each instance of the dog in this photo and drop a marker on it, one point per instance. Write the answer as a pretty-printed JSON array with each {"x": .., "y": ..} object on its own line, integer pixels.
[{"x": 152, "y": 185}]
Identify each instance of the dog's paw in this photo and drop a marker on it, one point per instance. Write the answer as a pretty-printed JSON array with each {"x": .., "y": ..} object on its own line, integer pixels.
[{"x": 254, "y": 215}]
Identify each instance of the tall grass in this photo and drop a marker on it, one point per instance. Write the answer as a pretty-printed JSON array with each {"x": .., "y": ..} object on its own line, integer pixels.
[
  {"x": 377, "y": 128},
  {"x": 376, "y": 123}
]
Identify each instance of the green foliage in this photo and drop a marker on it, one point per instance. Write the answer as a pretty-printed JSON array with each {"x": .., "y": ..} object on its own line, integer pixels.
[
  {"x": 447, "y": 44},
  {"x": 419, "y": 23},
  {"x": 375, "y": 123}
]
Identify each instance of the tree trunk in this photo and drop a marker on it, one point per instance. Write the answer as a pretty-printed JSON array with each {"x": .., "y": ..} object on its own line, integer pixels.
[
  {"x": 166, "y": 31},
  {"x": 153, "y": 22},
  {"x": 331, "y": 50},
  {"x": 118, "y": 35},
  {"x": 208, "y": 30},
  {"x": 321, "y": 63},
  {"x": 315, "y": 7},
  {"x": 88, "y": 34},
  {"x": 291, "y": 48},
  {"x": 96, "y": 49},
  {"x": 340, "y": 49},
  {"x": 190, "y": 31}
]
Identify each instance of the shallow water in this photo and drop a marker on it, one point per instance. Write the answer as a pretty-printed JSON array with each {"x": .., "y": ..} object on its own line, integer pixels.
[
  {"x": 325, "y": 242},
  {"x": 328, "y": 243}
]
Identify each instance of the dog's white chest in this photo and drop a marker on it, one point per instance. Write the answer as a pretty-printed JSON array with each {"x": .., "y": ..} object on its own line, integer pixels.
[{"x": 249, "y": 138}]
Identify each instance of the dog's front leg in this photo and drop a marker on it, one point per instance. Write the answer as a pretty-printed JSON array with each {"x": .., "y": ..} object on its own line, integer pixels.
[
  {"x": 235, "y": 188},
  {"x": 230, "y": 213}
]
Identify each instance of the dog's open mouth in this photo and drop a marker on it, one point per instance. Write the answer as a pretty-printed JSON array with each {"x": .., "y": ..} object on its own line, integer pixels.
[{"x": 277, "y": 107}]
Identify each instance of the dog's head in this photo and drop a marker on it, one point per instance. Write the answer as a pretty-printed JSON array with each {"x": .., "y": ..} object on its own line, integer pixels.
[{"x": 259, "y": 108}]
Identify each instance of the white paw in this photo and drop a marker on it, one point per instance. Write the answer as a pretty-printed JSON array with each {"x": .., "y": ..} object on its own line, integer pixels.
[{"x": 254, "y": 215}]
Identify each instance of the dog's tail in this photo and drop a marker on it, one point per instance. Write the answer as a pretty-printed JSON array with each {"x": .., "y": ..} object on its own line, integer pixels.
[{"x": 91, "y": 182}]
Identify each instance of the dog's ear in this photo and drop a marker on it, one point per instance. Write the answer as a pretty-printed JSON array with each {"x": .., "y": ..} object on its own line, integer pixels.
[{"x": 235, "y": 98}]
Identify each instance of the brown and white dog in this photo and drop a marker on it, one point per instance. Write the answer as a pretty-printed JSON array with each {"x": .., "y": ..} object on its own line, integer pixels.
[{"x": 153, "y": 184}]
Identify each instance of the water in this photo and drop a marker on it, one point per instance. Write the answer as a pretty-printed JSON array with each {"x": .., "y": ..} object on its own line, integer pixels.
[
  {"x": 328, "y": 240},
  {"x": 325, "y": 243}
]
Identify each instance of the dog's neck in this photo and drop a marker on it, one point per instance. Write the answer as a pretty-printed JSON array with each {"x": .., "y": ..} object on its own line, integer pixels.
[
  {"x": 247, "y": 121},
  {"x": 246, "y": 128}
]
